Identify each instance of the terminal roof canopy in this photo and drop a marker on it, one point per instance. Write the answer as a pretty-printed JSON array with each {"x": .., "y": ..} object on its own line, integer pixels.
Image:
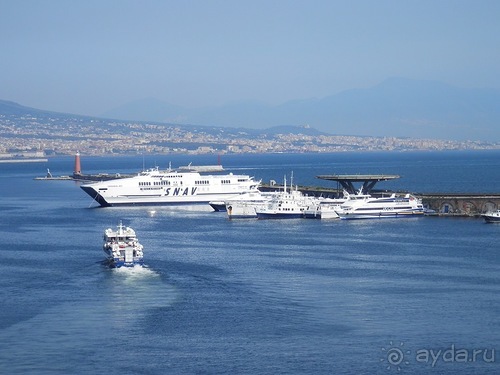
[{"x": 368, "y": 181}]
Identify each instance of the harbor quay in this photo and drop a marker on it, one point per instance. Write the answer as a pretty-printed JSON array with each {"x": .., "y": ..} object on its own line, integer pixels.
[
  {"x": 455, "y": 204},
  {"x": 443, "y": 204}
]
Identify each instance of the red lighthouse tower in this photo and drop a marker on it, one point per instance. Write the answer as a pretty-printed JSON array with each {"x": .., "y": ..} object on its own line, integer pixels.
[{"x": 78, "y": 168}]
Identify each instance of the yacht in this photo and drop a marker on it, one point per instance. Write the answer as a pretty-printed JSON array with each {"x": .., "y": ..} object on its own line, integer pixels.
[
  {"x": 182, "y": 186},
  {"x": 492, "y": 216},
  {"x": 122, "y": 247},
  {"x": 365, "y": 206}
]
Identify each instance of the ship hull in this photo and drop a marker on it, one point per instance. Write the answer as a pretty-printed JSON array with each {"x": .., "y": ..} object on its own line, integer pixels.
[
  {"x": 379, "y": 215},
  {"x": 154, "y": 187},
  {"x": 118, "y": 263},
  {"x": 274, "y": 215},
  {"x": 491, "y": 219},
  {"x": 153, "y": 200}
]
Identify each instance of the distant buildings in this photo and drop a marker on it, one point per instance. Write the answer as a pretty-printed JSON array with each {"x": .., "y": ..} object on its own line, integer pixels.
[{"x": 62, "y": 135}]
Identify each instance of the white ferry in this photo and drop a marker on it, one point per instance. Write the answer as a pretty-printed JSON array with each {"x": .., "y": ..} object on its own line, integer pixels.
[
  {"x": 245, "y": 205},
  {"x": 122, "y": 247},
  {"x": 324, "y": 209},
  {"x": 285, "y": 205},
  {"x": 364, "y": 206},
  {"x": 183, "y": 186}
]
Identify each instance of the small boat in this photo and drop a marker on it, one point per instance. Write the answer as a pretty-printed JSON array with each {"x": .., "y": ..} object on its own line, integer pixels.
[
  {"x": 365, "y": 206},
  {"x": 122, "y": 247},
  {"x": 492, "y": 216}
]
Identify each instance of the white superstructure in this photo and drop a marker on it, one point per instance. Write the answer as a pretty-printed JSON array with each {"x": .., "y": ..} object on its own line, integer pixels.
[
  {"x": 285, "y": 205},
  {"x": 245, "y": 205},
  {"x": 155, "y": 187},
  {"x": 364, "y": 206},
  {"x": 324, "y": 209}
]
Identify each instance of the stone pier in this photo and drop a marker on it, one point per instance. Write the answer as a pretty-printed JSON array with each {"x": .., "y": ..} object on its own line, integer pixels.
[{"x": 455, "y": 204}]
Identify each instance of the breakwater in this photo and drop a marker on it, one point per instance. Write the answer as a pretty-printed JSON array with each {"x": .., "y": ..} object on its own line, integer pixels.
[
  {"x": 444, "y": 204},
  {"x": 456, "y": 204}
]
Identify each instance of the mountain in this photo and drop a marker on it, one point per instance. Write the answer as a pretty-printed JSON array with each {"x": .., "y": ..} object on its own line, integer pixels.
[
  {"x": 16, "y": 109},
  {"x": 397, "y": 107},
  {"x": 9, "y": 108},
  {"x": 23, "y": 115}
]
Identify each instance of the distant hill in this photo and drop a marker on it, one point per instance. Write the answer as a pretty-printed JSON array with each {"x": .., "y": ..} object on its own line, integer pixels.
[
  {"x": 12, "y": 108},
  {"x": 15, "y": 109},
  {"x": 9, "y": 108},
  {"x": 396, "y": 107}
]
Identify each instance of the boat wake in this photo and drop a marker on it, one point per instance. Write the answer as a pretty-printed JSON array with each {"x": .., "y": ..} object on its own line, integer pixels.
[{"x": 137, "y": 271}]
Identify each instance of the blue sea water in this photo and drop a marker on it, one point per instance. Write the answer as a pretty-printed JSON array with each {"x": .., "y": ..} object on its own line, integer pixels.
[{"x": 219, "y": 296}]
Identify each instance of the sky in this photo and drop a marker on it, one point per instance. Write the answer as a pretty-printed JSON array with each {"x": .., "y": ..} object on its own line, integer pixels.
[{"x": 90, "y": 56}]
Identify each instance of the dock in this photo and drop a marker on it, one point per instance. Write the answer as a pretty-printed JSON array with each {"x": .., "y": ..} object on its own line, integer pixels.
[
  {"x": 442, "y": 204},
  {"x": 458, "y": 204},
  {"x": 79, "y": 176}
]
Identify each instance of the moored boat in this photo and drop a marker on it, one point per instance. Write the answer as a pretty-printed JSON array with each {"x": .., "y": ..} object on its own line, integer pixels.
[
  {"x": 492, "y": 216},
  {"x": 285, "y": 205},
  {"x": 324, "y": 209},
  {"x": 365, "y": 206},
  {"x": 245, "y": 205},
  {"x": 122, "y": 247}
]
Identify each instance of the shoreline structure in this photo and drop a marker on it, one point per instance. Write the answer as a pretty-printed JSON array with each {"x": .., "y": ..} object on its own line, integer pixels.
[{"x": 444, "y": 204}]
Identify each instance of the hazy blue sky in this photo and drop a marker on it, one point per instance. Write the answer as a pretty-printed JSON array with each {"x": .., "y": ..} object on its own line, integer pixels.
[{"x": 89, "y": 56}]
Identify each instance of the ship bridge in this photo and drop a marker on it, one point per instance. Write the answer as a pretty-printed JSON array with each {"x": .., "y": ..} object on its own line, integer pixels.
[{"x": 367, "y": 181}]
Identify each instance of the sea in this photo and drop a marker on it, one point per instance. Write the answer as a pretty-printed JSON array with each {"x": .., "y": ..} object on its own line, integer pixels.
[{"x": 219, "y": 296}]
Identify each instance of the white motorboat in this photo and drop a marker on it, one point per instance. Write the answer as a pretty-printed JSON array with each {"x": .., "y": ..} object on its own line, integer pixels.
[
  {"x": 364, "y": 206},
  {"x": 492, "y": 216},
  {"x": 122, "y": 247}
]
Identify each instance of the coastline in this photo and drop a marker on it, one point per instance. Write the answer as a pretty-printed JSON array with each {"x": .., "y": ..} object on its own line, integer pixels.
[{"x": 38, "y": 160}]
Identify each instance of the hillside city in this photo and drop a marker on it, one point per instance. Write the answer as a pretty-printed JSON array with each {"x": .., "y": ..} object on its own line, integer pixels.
[{"x": 32, "y": 135}]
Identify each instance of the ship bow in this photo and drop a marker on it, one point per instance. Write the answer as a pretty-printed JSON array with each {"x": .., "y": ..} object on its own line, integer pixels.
[{"x": 95, "y": 195}]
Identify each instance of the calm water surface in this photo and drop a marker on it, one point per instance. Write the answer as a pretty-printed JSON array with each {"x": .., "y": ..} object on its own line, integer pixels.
[{"x": 408, "y": 296}]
